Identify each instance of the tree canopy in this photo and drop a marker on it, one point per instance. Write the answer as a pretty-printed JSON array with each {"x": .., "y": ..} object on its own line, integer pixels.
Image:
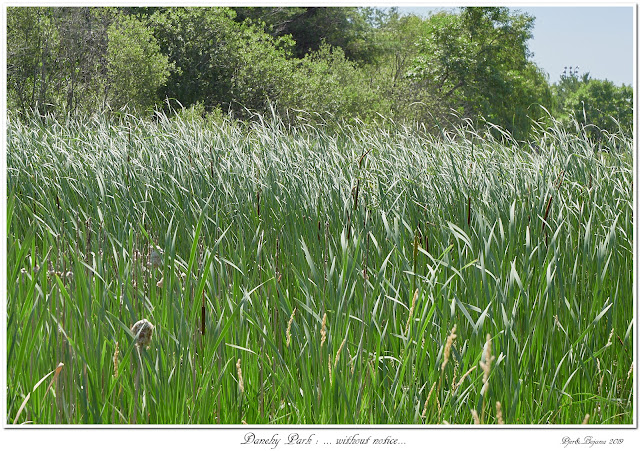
[{"x": 351, "y": 63}]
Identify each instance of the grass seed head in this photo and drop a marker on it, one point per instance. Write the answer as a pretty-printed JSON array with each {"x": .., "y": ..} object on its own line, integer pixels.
[
  {"x": 499, "y": 412},
  {"x": 413, "y": 306},
  {"x": 485, "y": 363},
  {"x": 289, "y": 326},
  {"x": 609, "y": 342},
  {"x": 426, "y": 403},
  {"x": 463, "y": 377},
  {"x": 447, "y": 346},
  {"x": 240, "y": 380},
  {"x": 339, "y": 352},
  {"x": 115, "y": 360},
  {"x": 323, "y": 330}
]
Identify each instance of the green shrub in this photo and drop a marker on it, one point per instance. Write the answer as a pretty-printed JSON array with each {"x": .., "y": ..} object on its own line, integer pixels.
[{"x": 136, "y": 67}]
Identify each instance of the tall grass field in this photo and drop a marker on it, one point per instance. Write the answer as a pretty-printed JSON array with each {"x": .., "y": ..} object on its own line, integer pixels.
[{"x": 343, "y": 274}]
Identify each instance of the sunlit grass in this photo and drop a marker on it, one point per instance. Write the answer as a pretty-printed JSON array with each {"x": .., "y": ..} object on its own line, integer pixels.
[{"x": 315, "y": 275}]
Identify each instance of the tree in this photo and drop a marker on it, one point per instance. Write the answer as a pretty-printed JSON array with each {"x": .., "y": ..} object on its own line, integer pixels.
[
  {"x": 599, "y": 105},
  {"x": 57, "y": 58},
  {"x": 137, "y": 69},
  {"x": 220, "y": 62},
  {"x": 406, "y": 99},
  {"x": 32, "y": 43},
  {"x": 264, "y": 70},
  {"x": 567, "y": 85},
  {"x": 325, "y": 81},
  {"x": 477, "y": 63},
  {"x": 311, "y": 27},
  {"x": 196, "y": 40},
  {"x": 82, "y": 56}
]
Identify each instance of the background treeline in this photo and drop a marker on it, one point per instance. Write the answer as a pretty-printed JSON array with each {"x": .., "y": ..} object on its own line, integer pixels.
[{"x": 308, "y": 63}]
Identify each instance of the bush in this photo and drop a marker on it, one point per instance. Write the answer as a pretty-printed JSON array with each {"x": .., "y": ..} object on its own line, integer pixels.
[
  {"x": 326, "y": 81},
  {"x": 603, "y": 105},
  {"x": 136, "y": 67}
]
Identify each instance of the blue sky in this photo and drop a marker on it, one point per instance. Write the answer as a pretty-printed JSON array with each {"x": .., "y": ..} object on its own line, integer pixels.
[{"x": 598, "y": 39}]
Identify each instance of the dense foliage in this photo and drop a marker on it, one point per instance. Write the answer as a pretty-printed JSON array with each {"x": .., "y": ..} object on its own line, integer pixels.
[
  {"x": 366, "y": 274},
  {"x": 477, "y": 63},
  {"x": 336, "y": 215},
  {"x": 599, "y": 105},
  {"x": 353, "y": 63}
]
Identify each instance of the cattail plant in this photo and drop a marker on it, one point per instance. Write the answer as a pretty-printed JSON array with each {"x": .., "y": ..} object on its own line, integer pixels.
[
  {"x": 416, "y": 243},
  {"x": 143, "y": 332},
  {"x": 544, "y": 220},
  {"x": 258, "y": 202},
  {"x": 405, "y": 211},
  {"x": 355, "y": 192},
  {"x": 202, "y": 317},
  {"x": 278, "y": 273},
  {"x": 155, "y": 257}
]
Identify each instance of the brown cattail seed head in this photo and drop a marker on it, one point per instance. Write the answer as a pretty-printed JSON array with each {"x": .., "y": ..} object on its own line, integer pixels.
[{"x": 143, "y": 330}]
